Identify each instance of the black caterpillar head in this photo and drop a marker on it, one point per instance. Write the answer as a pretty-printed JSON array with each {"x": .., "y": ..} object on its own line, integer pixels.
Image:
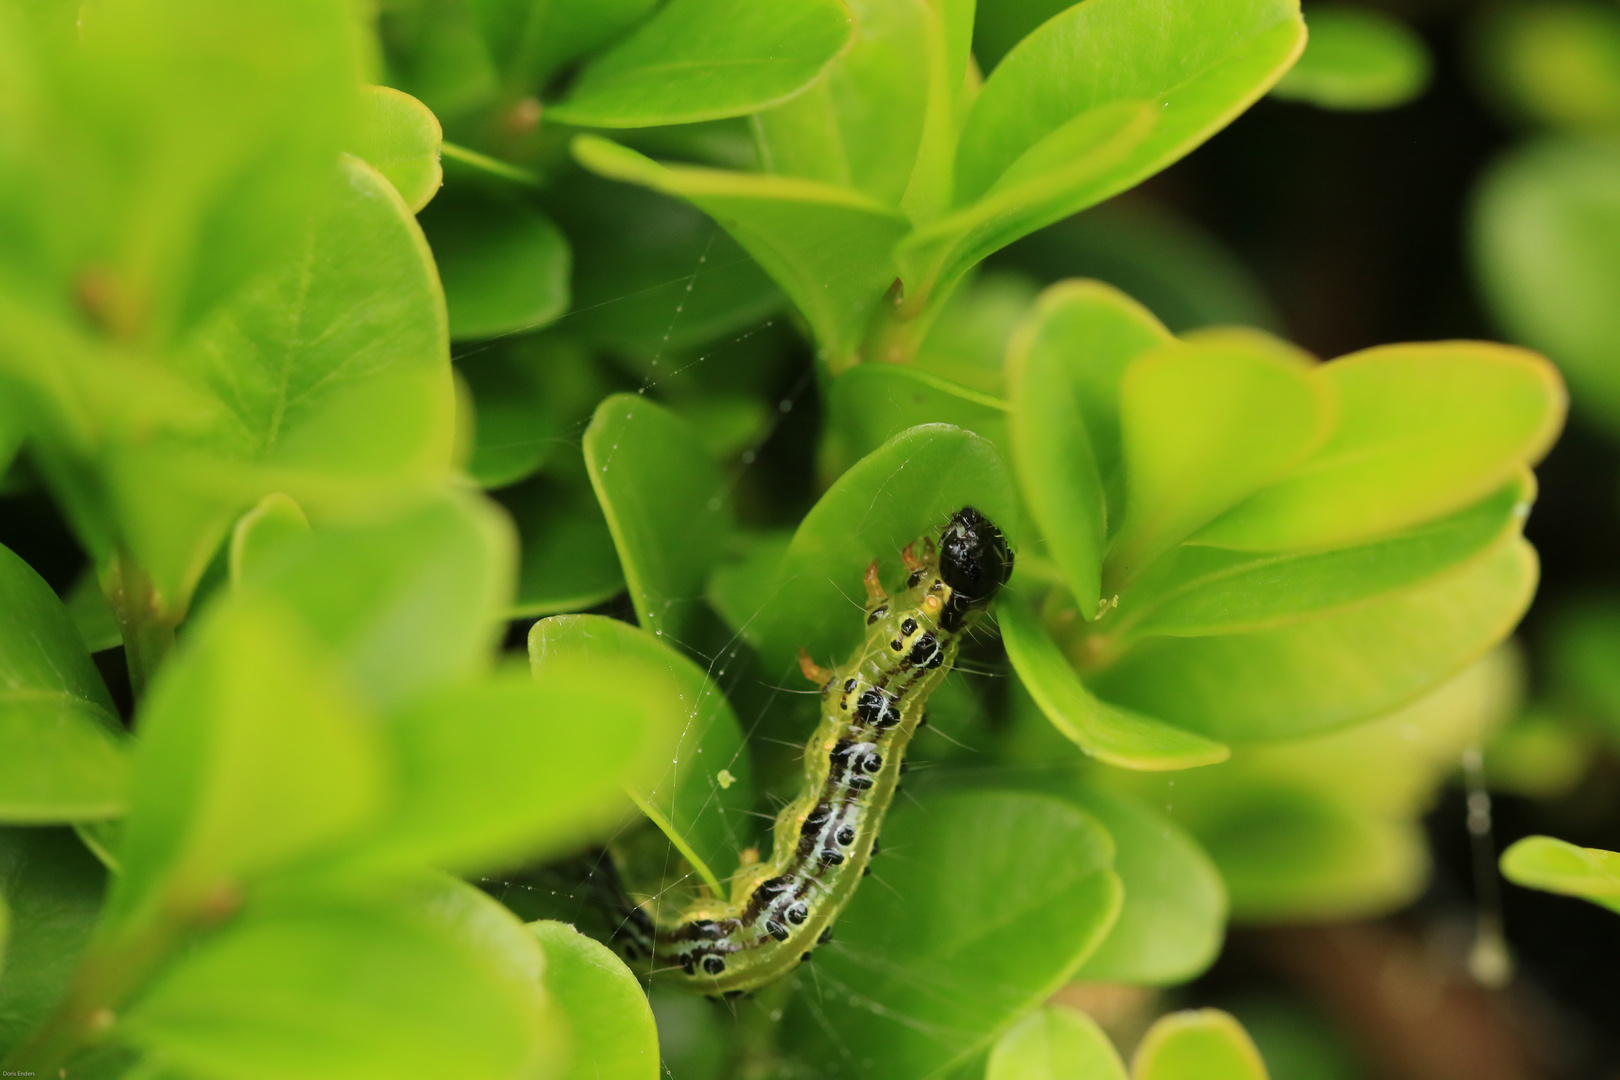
[{"x": 974, "y": 560}]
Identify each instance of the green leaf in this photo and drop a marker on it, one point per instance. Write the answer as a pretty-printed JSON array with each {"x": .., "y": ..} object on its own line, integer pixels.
[
  {"x": 52, "y": 887},
  {"x": 662, "y": 496},
  {"x": 1118, "y": 736},
  {"x": 829, "y": 248},
  {"x": 614, "y": 1036},
  {"x": 63, "y": 753},
  {"x": 409, "y": 603},
  {"x": 400, "y": 137},
  {"x": 907, "y": 488},
  {"x": 1555, "y": 65},
  {"x": 262, "y": 534},
  {"x": 870, "y": 404},
  {"x": 967, "y": 340},
  {"x": 92, "y": 615},
  {"x": 1357, "y": 58},
  {"x": 703, "y": 794},
  {"x": 1541, "y": 862},
  {"x": 654, "y": 276},
  {"x": 253, "y": 754},
  {"x": 832, "y": 133},
  {"x": 566, "y": 560},
  {"x": 1197, "y": 65},
  {"x": 1074, "y": 166},
  {"x": 219, "y": 122},
  {"x": 1331, "y": 670},
  {"x": 1055, "y": 1043},
  {"x": 1424, "y": 430},
  {"x": 504, "y": 264},
  {"x": 514, "y": 428},
  {"x": 441, "y": 981},
  {"x": 964, "y": 941},
  {"x": 1196, "y": 591},
  {"x": 1203, "y": 424},
  {"x": 1063, "y": 372},
  {"x": 706, "y": 59},
  {"x": 334, "y": 381},
  {"x": 500, "y": 771},
  {"x": 530, "y": 41},
  {"x": 1546, "y": 223},
  {"x": 1173, "y": 922},
  {"x": 1203, "y": 1044}
]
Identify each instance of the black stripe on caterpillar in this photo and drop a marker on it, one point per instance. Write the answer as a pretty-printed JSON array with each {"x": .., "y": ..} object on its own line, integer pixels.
[{"x": 823, "y": 841}]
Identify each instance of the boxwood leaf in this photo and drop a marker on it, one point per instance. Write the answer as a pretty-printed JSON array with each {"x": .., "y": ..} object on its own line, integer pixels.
[
  {"x": 333, "y": 377},
  {"x": 439, "y": 982},
  {"x": 504, "y": 264},
  {"x": 1423, "y": 430},
  {"x": 1541, "y": 862},
  {"x": 832, "y": 133},
  {"x": 530, "y": 41},
  {"x": 263, "y": 534},
  {"x": 872, "y": 403},
  {"x": 1070, "y": 168},
  {"x": 500, "y": 770},
  {"x": 614, "y": 1037},
  {"x": 1055, "y": 1043},
  {"x": 400, "y": 138},
  {"x": 409, "y": 603},
  {"x": 1203, "y": 424},
  {"x": 1203, "y": 1044},
  {"x": 253, "y": 754},
  {"x": 927, "y": 973},
  {"x": 829, "y": 248},
  {"x": 1552, "y": 65},
  {"x": 907, "y": 488},
  {"x": 53, "y": 888},
  {"x": 661, "y": 494},
  {"x": 706, "y": 59},
  {"x": 1173, "y": 921},
  {"x": 1107, "y": 732},
  {"x": 1063, "y": 372},
  {"x": 566, "y": 560},
  {"x": 1543, "y": 222},
  {"x": 1327, "y": 671},
  {"x": 1198, "y": 65},
  {"x": 1199, "y": 590},
  {"x": 63, "y": 753},
  {"x": 654, "y": 276},
  {"x": 514, "y": 427},
  {"x": 705, "y": 814},
  {"x": 1357, "y": 58}
]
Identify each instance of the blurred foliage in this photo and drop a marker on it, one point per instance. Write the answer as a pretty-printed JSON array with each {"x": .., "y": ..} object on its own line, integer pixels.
[{"x": 724, "y": 336}]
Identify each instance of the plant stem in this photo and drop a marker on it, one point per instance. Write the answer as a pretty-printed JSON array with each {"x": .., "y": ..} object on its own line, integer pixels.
[
  {"x": 143, "y": 619},
  {"x": 112, "y": 969}
]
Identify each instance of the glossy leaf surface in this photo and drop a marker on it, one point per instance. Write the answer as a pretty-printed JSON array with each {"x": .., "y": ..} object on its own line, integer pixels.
[
  {"x": 400, "y": 138},
  {"x": 1541, "y": 862},
  {"x": 1109, "y": 733},
  {"x": 906, "y": 489},
  {"x": 63, "y": 752},
  {"x": 701, "y": 812},
  {"x": 1357, "y": 58},
  {"x": 661, "y": 494},
  {"x": 504, "y": 264},
  {"x": 705, "y": 59},
  {"x": 1205, "y": 1044},
  {"x": 1055, "y": 1043},
  {"x": 612, "y": 1026},
  {"x": 963, "y": 942},
  {"x": 1423, "y": 430}
]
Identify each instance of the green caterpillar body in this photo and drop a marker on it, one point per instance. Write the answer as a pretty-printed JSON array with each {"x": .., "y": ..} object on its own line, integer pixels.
[{"x": 823, "y": 841}]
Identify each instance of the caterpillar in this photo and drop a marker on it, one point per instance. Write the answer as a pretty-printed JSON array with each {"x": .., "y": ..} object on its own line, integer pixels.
[{"x": 823, "y": 842}]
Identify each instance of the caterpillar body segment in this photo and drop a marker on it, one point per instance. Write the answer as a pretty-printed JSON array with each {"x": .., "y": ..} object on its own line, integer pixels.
[{"x": 823, "y": 842}]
